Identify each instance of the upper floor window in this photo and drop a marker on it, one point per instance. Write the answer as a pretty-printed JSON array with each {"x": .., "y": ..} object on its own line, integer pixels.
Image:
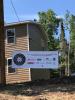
[{"x": 10, "y": 35}]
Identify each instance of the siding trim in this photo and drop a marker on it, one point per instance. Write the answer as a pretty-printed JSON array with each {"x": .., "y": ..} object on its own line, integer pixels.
[
  {"x": 28, "y": 35},
  {"x": 28, "y": 49}
]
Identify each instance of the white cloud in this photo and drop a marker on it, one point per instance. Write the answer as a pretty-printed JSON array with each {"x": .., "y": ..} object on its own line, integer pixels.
[{"x": 60, "y": 16}]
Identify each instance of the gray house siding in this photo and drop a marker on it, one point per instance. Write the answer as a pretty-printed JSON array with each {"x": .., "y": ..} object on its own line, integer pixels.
[{"x": 35, "y": 44}]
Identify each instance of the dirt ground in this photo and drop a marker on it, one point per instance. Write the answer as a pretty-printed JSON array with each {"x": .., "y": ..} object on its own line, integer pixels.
[
  {"x": 45, "y": 91},
  {"x": 45, "y": 96}
]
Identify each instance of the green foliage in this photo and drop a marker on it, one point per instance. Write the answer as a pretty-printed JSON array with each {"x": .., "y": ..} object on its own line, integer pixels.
[
  {"x": 62, "y": 38},
  {"x": 72, "y": 28},
  {"x": 67, "y": 20},
  {"x": 50, "y": 24},
  {"x": 54, "y": 73},
  {"x": 57, "y": 41}
]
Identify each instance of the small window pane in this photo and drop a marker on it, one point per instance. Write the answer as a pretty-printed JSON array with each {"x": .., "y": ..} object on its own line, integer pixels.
[
  {"x": 11, "y": 70},
  {"x": 10, "y": 33},
  {"x": 9, "y": 62},
  {"x": 11, "y": 40}
]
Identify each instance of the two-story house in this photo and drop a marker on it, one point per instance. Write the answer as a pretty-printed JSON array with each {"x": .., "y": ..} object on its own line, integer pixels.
[{"x": 28, "y": 36}]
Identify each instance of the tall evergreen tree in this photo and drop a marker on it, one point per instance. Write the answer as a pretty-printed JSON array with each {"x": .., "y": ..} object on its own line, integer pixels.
[
  {"x": 70, "y": 26},
  {"x": 62, "y": 38},
  {"x": 72, "y": 36},
  {"x": 63, "y": 48}
]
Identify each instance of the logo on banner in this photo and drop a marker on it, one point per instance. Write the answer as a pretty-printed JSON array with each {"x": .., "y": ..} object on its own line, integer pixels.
[{"x": 19, "y": 59}]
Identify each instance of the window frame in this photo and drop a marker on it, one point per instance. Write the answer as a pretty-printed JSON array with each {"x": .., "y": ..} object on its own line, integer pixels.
[
  {"x": 11, "y": 36},
  {"x": 8, "y": 67}
]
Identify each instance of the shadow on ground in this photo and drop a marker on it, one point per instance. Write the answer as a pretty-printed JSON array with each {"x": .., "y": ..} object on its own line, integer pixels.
[{"x": 39, "y": 87}]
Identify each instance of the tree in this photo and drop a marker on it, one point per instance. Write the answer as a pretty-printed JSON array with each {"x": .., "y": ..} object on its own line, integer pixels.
[
  {"x": 70, "y": 26},
  {"x": 49, "y": 24},
  {"x": 63, "y": 48},
  {"x": 62, "y": 38}
]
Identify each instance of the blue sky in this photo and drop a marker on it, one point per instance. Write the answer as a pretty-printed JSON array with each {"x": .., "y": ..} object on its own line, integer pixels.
[{"x": 28, "y": 9}]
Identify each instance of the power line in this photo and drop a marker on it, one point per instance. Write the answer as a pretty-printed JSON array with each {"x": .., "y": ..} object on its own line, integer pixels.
[{"x": 15, "y": 10}]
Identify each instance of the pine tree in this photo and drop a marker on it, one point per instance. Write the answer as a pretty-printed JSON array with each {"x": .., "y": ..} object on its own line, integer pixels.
[
  {"x": 72, "y": 35},
  {"x": 63, "y": 49}
]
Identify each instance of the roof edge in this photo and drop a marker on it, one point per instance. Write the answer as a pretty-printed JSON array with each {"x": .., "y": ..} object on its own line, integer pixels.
[{"x": 21, "y": 22}]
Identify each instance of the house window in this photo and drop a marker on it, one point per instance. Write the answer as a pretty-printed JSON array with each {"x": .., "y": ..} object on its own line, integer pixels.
[
  {"x": 10, "y": 34},
  {"x": 9, "y": 64}
]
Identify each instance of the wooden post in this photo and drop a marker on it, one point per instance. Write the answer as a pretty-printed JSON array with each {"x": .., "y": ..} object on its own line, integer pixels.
[{"x": 2, "y": 45}]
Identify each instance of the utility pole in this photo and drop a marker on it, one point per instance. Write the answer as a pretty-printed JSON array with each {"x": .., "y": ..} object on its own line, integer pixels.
[{"x": 2, "y": 45}]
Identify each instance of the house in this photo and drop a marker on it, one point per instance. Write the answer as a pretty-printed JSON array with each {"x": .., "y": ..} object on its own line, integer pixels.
[{"x": 27, "y": 36}]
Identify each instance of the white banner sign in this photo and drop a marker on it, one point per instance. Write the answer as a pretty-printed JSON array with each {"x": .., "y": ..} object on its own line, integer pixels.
[{"x": 35, "y": 59}]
